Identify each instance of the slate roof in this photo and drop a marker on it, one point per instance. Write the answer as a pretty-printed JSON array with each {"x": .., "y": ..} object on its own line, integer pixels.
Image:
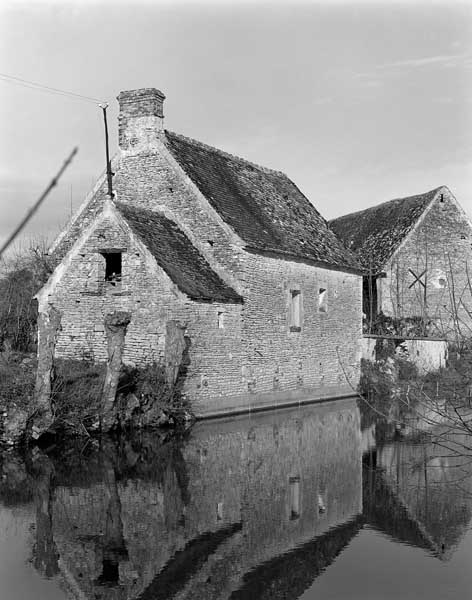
[
  {"x": 174, "y": 252},
  {"x": 265, "y": 208},
  {"x": 375, "y": 233}
]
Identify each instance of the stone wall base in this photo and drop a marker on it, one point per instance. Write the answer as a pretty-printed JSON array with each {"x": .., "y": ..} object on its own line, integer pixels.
[{"x": 252, "y": 403}]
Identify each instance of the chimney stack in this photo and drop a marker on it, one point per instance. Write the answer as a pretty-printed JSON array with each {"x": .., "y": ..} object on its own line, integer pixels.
[{"x": 141, "y": 119}]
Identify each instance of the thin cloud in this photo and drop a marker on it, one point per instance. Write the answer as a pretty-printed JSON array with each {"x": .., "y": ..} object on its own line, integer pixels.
[
  {"x": 375, "y": 77},
  {"x": 444, "y": 60}
]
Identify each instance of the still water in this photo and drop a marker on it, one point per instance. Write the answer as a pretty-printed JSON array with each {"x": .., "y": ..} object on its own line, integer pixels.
[{"x": 294, "y": 504}]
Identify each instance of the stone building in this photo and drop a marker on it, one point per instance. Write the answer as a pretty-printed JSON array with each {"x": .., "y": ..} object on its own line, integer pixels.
[
  {"x": 230, "y": 252},
  {"x": 418, "y": 253}
]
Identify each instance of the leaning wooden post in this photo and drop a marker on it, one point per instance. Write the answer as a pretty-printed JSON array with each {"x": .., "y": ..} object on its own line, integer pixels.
[
  {"x": 49, "y": 326},
  {"x": 116, "y": 325}
]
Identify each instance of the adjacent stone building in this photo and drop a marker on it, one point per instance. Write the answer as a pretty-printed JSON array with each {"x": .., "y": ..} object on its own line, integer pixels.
[
  {"x": 418, "y": 253},
  {"x": 232, "y": 253}
]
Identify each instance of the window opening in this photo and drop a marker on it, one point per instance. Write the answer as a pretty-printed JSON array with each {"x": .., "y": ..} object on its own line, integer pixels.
[
  {"x": 221, "y": 320},
  {"x": 294, "y": 483},
  {"x": 112, "y": 267},
  {"x": 295, "y": 310},
  {"x": 322, "y": 300}
]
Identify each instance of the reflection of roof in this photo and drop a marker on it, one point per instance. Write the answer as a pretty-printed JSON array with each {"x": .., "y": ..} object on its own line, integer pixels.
[
  {"x": 436, "y": 523},
  {"x": 289, "y": 575},
  {"x": 375, "y": 233},
  {"x": 265, "y": 208},
  {"x": 383, "y": 511},
  {"x": 175, "y": 253},
  {"x": 185, "y": 563}
]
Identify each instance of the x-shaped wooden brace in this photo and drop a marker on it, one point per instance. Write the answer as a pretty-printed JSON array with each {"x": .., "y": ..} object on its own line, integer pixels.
[{"x": 417, "y": 279}]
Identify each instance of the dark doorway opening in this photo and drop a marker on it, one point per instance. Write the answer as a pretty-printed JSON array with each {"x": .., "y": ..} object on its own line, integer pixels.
[{"x": 369, "y": 297}]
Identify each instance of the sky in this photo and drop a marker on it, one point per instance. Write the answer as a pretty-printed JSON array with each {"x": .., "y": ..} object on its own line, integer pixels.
[{"x": 358, "y": 102}]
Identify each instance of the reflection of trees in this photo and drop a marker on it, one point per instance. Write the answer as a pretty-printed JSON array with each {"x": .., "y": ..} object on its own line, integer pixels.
[
  {"x": 111, "y": 543},
  {"x": 45, "y": 553}
]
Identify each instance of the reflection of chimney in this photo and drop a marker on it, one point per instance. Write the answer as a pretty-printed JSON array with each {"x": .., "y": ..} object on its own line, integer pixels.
[{"x": 141, "y": 119}]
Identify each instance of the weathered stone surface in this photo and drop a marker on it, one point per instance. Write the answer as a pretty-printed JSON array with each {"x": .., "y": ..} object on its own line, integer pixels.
[
  {"x": 423, "y": 246},
  {"x": 116, "y": 325},
  {"x": 242, "y": 351},
  {"x": 49, "y": 327},
  {"x": 174, "y": 350}
]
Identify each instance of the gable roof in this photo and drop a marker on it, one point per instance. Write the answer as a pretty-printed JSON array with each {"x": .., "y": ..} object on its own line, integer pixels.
[
  {"x": 176, "y": 255},
  {"x": 375, "y": 234},
  {"x": 264, "y": 207}
]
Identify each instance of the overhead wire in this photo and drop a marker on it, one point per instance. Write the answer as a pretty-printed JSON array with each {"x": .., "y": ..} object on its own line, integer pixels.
[{"x": 52, "y": 90}]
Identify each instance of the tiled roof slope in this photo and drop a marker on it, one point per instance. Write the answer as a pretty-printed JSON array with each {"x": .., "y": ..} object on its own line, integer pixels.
[
  {"x": 375, "y": 233},
  {"x": 265, "y": 208},
  {"x": 175, "y": 253}
]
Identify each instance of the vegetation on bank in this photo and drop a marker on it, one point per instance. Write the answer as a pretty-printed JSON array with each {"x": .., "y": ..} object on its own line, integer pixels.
[
  {"x": 21, "y": 277},
  {"x": 401, "y": 401},
  {"x": 144, "y": 399},
  {"x": 403, "y": 327}
]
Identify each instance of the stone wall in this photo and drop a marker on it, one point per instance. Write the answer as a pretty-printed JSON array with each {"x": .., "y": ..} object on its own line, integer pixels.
[
  {"x": 427, "y": 354},
  {"x": 84, "y": 298},
  {"x": 441, "y": 244},
  {"x": 256, "y": 352}
]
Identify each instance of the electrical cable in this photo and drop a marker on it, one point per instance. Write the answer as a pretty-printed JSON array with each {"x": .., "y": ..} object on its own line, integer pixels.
[{"x": 52, "y": 90}]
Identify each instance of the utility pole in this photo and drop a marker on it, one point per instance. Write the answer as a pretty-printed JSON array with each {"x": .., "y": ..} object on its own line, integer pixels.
[{"x": 109, "y": 172}]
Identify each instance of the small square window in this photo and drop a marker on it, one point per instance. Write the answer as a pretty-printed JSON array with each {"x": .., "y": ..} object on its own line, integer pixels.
[
  {"x": 323, "y": 300},
  {"x": 295, "y": 316}
]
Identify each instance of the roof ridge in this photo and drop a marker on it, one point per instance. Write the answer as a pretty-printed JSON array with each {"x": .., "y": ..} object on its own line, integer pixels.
[
  {"x": 227, "y": 154},
  {"x": 382, "y": 204}
]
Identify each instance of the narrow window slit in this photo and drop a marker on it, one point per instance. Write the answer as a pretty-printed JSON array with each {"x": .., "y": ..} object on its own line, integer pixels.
[
  {"x": 323, "y": 300},
  {"x": 294, "y": 483},
  {"x": 295, "y": 318}
]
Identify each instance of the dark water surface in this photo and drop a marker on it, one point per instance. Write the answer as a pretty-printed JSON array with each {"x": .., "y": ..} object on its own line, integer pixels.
[{"x": 283, "y": 505}]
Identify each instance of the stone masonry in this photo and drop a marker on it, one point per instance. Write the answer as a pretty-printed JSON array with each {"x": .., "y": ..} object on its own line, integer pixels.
[
  {"x": 441, "y": 245},
  {"x": 238, "y": 352}
]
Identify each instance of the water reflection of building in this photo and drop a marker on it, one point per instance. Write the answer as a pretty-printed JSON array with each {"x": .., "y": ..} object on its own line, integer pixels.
[
  {"x": 421, "y": 493},
  {"x": 245, "y": 505}
]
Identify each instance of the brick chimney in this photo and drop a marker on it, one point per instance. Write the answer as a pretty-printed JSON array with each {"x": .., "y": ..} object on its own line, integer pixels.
[{"x": 141, "y": 119}]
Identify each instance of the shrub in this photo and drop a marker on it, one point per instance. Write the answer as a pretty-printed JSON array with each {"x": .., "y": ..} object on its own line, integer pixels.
[
  {"x": 20, "y": 280},
  {"x": 76, "y": 392}
]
